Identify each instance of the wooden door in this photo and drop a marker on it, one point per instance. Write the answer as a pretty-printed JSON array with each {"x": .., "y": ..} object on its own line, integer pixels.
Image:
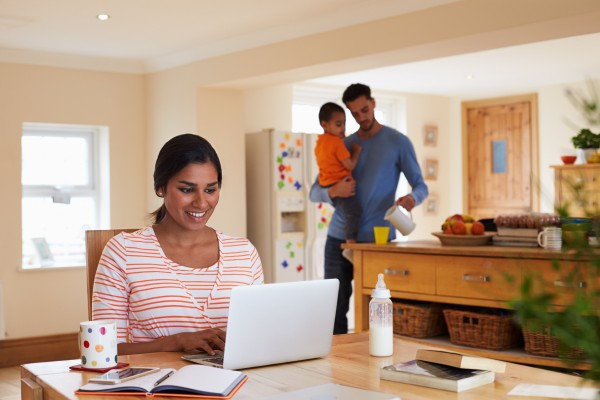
[{"x": 500, "y": 163}]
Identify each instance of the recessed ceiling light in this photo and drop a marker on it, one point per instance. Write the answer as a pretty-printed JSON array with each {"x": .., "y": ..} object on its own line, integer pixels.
[
  {"x": 469, "y": 76},
  {"x": 103, "y": 17}
]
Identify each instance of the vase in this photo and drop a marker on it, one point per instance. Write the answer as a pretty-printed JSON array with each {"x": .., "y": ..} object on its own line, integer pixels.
[
  {"x": 589, "y": 153},
  {"x": 581, "y": 157}
]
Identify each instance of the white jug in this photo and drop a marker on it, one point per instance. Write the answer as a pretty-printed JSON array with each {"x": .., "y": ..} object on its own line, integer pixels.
[{"x": 397, "y": 216}]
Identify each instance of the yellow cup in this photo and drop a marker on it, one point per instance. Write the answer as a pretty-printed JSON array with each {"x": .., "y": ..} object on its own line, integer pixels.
[{"x": 381, "y": 234}]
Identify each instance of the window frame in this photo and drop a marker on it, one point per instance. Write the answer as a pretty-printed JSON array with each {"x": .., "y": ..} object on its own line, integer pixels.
[{"x": 97, "y": 187}]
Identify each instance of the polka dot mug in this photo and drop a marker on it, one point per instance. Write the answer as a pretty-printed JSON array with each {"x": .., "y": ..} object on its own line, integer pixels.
[{"x": 98, "y": 344}]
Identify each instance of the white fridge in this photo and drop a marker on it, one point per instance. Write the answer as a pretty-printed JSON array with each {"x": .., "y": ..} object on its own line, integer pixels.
[{"x": 288, "y": 230}]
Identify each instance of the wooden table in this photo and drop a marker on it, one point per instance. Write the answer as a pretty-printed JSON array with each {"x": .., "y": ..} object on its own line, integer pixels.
[{"x": 348, "y": 364}]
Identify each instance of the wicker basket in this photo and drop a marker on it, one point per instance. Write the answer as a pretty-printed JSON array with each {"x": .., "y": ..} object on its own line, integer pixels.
[
  {"x": 543, "y": 343},
  {"x": 483, "y": 330},
  {"x": 419, "y": 320}
]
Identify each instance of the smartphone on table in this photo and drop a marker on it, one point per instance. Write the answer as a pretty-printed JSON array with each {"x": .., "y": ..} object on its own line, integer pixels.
[{"x": 122, "y": 375}]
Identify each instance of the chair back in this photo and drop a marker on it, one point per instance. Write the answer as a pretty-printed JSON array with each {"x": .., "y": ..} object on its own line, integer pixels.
[{"x": 95, "y": 240}]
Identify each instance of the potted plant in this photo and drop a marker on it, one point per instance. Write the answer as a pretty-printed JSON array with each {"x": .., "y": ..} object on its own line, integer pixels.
[
  {"x": 586, "y": 139},
  {"x": 586, "y": 142}
]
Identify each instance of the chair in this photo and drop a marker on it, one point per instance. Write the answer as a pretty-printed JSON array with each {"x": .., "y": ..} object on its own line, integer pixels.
[{"x": 95, "y": 240}]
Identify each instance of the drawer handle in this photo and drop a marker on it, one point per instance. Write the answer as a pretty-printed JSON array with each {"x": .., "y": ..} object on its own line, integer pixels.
[
  {"x": 390, "y": 271},
  {"x": 583, "y": 180},
  {"x": 477, "y": 278},
  {"x": 570, "y": 285}
]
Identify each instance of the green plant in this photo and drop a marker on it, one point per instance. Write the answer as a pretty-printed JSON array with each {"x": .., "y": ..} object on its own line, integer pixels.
[
  {"x": 586, "y": 139},
  {"x": 576, "y": 323},
  {"x": 587, "y": 104}
]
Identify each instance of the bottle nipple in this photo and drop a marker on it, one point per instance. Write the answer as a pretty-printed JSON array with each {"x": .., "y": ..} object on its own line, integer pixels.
[{"x": 381, "y": 291}]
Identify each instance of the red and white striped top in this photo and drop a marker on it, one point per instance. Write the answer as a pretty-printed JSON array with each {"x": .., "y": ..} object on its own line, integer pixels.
[{"x": 150, "y": 296}]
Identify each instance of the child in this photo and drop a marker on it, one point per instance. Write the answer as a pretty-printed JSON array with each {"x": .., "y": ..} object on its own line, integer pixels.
[{"x": 336, "y": 163}]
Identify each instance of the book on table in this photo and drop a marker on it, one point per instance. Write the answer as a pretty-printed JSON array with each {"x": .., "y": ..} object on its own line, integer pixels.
[
  {"x": 461, "y": 360},
  {"x": 190, "y": 381},
  {"x": 437, "y": 376}
]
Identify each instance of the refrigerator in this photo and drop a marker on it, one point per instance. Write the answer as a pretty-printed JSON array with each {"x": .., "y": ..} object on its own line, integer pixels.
[{"x": 288, "y": 230}]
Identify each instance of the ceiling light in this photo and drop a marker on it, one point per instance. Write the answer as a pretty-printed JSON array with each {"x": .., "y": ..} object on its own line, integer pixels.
[
  {"x": 469, "y": 76},
  {"x": 103, "y": 17}
]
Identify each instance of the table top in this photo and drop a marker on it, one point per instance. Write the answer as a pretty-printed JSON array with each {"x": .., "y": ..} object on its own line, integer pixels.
[{"x": 347, "y": 364}]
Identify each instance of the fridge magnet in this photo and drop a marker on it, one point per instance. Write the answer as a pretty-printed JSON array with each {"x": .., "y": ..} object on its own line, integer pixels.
[
  {"x": 430, "y": 134},
  {"x": 431, "y": 169},
  {"x": 431, "y": 205}
]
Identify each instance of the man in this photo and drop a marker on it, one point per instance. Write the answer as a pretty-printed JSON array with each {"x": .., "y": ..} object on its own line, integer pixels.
[{"x": 386, "y": 153}]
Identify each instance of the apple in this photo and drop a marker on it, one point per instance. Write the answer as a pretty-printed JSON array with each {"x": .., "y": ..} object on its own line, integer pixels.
[
  {"x": 459, "y": 228},
  {"x": 477, "y": 228},
  {"x": 457, "y": 217}
]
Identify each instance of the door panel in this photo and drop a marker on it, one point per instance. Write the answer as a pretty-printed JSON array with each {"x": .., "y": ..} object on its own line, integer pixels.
[{"x": 500, "y": 150}]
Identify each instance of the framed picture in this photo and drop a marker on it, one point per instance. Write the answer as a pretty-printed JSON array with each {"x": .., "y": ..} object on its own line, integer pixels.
[
  {"x": 430, "y": 135},
  {"x": 431, "y": 170},
  {"x": 431, "y": 205}
]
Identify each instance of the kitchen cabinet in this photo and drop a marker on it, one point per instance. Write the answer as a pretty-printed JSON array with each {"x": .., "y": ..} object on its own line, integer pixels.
[
  {"x": 577, "y": 188},
  {"x": 472, "y": 276}
]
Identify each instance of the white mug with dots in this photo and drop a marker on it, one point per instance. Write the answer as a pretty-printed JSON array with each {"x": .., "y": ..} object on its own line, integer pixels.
[{"x": 98, "y": 344}]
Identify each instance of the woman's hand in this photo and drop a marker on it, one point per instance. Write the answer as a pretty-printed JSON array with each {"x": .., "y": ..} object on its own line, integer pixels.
[
  {"x": 207, "y": 340},
  {"x": 344, "y": 188}
]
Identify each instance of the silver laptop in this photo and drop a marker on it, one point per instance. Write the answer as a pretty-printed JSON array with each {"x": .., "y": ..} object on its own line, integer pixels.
[{"x": 276, "y": 323}]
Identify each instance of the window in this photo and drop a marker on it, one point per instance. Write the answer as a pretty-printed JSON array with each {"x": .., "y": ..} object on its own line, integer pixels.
[{"x": 62, "y": 192}]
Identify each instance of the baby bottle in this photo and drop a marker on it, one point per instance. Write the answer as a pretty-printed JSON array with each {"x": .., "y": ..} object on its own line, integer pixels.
[{"x": 381, "y": 332}]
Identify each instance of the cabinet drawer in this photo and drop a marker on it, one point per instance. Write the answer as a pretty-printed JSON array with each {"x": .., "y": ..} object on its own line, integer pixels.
[
  {"x": 478, "y": 278},
  {"x": 406, "y": 272},
  {"x": 564, "y": 282}
]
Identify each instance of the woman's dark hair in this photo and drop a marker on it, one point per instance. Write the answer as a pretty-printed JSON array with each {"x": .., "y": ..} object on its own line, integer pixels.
[
  {"x": 327, "y": 111},
  {"x": 175, "y": 155},
  {"x": 354, "y": 91}
]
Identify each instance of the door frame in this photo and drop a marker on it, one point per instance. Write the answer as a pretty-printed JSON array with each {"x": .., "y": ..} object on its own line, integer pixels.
[{"x": 534, "y": 156}]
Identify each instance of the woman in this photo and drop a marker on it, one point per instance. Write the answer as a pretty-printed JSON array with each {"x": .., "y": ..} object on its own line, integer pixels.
[{"x": 168, "y": 285}]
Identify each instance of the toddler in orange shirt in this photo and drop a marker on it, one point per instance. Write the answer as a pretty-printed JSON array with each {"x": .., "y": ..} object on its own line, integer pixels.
[{"x": 336, "y": 163}]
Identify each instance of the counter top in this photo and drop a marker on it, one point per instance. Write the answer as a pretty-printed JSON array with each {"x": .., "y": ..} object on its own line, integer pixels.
[{"x": 435, "y": 247}]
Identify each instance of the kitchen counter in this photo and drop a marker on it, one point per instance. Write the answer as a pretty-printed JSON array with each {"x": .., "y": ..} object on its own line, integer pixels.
[{"x": 463, "y": 275}]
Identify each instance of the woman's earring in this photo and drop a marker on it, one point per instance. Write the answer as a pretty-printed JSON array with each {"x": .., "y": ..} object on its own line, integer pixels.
[{"x": 160, "y": 194}]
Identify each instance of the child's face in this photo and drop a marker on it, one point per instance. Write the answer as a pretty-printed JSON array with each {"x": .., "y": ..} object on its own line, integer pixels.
[{"x": 336, "y": 125}]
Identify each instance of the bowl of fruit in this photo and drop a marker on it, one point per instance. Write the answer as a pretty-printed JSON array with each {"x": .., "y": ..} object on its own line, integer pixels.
[{"x": 463, "y": 230}]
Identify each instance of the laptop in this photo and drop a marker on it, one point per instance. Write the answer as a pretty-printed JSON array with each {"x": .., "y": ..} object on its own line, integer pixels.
[{"x": 277, "y": 323}]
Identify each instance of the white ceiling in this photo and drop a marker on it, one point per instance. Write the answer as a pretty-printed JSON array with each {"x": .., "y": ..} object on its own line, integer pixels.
[{"x": 150, "y": 35}]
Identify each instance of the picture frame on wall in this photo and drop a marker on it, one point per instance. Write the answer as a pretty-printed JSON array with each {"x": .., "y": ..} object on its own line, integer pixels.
[
  {"x": 431, "y": 169},
  {"x": 430, "y": 135},
  {"x": 431, "y": 205}
]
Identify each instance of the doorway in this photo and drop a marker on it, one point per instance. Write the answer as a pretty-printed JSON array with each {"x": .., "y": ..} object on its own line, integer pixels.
[{"x": 500, "y": 156}]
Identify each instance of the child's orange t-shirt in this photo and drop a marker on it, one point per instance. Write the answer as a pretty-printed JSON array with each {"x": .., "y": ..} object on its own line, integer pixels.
[{"x": 330, "y": 150}]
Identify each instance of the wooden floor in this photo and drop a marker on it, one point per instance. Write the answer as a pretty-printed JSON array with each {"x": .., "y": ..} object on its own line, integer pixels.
[{"x": 10, "y": 383}]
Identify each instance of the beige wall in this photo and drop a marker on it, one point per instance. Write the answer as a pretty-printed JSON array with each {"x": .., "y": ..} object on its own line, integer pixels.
[
  {"x": 220, "y": 98},
  {"x": 54, "y": 301}
]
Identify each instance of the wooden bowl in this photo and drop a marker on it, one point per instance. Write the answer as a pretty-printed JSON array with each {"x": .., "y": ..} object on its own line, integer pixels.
[
  {"x": 568, "y": 159},
  {"x": 464, "y": 240}
]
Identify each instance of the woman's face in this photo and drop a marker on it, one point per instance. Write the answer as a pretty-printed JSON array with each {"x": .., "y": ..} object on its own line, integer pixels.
[{"x": 192, "y": 195}]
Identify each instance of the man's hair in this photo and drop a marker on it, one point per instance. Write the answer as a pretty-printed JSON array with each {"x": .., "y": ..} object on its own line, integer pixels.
[
  {"x": 354, "y": 91},
  {"x": 327, "y": 111}
]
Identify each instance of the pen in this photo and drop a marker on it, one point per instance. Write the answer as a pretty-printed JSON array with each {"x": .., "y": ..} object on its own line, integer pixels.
[{"x": 161, "y": 380}]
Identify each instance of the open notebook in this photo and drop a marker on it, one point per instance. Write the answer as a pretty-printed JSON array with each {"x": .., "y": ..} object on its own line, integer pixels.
[{"x": 276, "y": 323}]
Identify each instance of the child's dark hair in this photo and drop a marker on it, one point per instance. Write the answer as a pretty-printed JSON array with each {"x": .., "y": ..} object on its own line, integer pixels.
[
  {"x": 175, "y": 155},
  {"x": 354, "y": 91},
  {"x": 327, "y": 111}
]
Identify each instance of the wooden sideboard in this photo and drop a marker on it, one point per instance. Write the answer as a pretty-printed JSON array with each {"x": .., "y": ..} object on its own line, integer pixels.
[
  {"x": 474, "y": 276},
  {"x": 577, "y": 188}
]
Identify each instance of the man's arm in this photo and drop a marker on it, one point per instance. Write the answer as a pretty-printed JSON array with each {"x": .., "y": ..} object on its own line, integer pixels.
[
  {"x": 344, "y": 188},
  {"x": 414, "y": 176}
]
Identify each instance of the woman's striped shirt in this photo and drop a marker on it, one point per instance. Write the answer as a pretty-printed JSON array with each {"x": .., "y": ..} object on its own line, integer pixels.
[{"x": 150, "y": 296}]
